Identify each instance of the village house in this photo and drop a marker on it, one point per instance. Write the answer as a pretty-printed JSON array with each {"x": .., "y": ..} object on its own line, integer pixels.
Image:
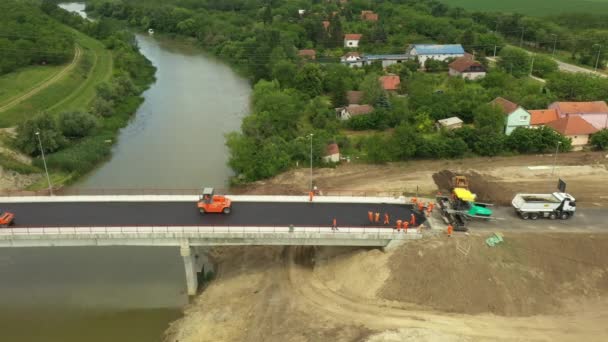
[
  {"x": 352, "y": 59},
  {"x": 515, "y": 115},
  {"x": 450, "y": 123},
  {"x": 541, "y": 117},
  {"x": 596, "y": 112},
  {"x": 345, "y": 113},
  {"x": 369, "y": 16},
  {"x": 351, "y": 40},
  {"x": 307, "y": 53},
  {"x": 435, "y": 51},
  {"x": 467, "y": 68},
  {"x": 354, "y": 97},
  {"x": 390, "y": 82},
  {"x": 574, "y": 127},
  {"x": 332, "y": 153}
]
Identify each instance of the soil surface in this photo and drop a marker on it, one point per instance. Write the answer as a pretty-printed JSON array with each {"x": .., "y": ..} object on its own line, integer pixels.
[
  {"x": 495, "y": 180},
  {"x": 532, "y": 287}
]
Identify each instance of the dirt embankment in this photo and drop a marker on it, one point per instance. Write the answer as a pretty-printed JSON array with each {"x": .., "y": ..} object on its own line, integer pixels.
[{"x": 436, "y": 289}]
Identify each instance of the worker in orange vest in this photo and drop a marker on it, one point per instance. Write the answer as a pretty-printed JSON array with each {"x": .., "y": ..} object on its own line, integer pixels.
[
  {"x": 414, "y": 200},
  {"x": 420, "y": 206},
  {"x": 370, "y": 215},
  {"x": 429, "y": 208},
  {"x": 386, "y": 219},
  {"x": 377, "y": 217},
  {"x": 399, "y": 225},
  {"x": 450, "y": 229},
  {"x": 334, "y": 224},
  {"x": 413, "y": 220},
  {"x": 405, "y": 223},
  {"x": 310, "y": 196}
]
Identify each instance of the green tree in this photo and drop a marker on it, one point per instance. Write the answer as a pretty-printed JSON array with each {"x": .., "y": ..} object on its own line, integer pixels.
[
  {"x": 49, "y": 134},
  {"x": 405, "y": 140},
  {"x": 372, "y": 89},
  {"x": 309, "y": 79},
  {"x": 103, "y": 107},
  {"x": 599, "y": 140},
  {"x": 544, "y": 66},
  {"x": 515, "y": 61},
  {"x": 76, "y": 124},
  {"x": 283, "y": 72},
  {"x": 489, "y": 142},
  {"x": 376, "y": 148},
  {"x": 489, "y": 117}
]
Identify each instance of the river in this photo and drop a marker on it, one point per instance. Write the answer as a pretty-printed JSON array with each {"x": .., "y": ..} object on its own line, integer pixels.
[{"x": 175, "y": 140}]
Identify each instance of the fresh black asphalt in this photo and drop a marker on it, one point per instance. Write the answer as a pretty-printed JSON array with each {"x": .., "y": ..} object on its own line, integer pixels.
[{"x": 186, "y": 213}]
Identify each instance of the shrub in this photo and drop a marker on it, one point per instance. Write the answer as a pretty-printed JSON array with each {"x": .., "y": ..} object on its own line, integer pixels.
[
  {"x": 50, "y": 135},
  {"x": 76, "y": 124}
]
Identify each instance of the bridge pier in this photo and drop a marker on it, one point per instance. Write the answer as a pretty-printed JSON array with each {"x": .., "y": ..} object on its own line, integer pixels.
[{"x": 190, "y": 263}]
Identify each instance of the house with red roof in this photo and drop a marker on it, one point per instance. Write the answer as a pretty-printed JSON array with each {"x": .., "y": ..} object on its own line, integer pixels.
[
  {"x": 574, "y": 127},
  {"x": 332, "y": 153},
  {"x": 595, "y": 112},
  {"x": 542, "y": 117},
  {"x": 351, "y": 40},
  {"x": 467, "y": 68},
  {"x": 308, "y": 53},
  {"x": 390, "y": 82},
  {"x": 515, "y": 115},
  {"x": 369, "y": 16},
  {"x": 354, "y": 96}
]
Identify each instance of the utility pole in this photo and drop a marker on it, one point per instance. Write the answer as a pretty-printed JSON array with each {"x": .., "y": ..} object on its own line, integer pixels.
[
  {"x": 532, "y": 66},
  {"x": 310, "y": 161},
  {"x": 495, "y": 46},
  {"x": 597, "y": 60},
  {"x": 555, "y": 159},
  {"x": 44, "y": 162},
  {"x": 554, "y": 45},
  {"x": 521, "y": 41}
]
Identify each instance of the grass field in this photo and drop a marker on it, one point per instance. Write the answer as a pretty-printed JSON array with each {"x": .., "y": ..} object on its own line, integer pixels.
[
  {"x": 74, "y": 91},
  {"x": 23, "y": 80},
  {"x": 533, "y": 7}
]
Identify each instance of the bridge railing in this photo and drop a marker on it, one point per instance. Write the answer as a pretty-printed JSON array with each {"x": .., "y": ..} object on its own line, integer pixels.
[
  {"x": 81, "y": 230},
  {"x": 194, "y": 192}
]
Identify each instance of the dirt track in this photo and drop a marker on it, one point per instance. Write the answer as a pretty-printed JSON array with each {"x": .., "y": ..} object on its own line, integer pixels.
[
  {"x": 421, "y": 292},
  {"x": 494, "y": 180},
  {"x": 45, "y": 84}
]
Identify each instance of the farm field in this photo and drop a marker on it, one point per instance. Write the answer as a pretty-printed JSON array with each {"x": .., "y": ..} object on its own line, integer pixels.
[{"x": 533, "y": 7}]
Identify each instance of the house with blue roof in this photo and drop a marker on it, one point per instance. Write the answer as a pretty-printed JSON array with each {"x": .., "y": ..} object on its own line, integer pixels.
[{"x": 437, "y": 52}]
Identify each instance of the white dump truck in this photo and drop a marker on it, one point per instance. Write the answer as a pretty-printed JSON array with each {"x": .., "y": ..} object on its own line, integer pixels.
[{"x": 551, "y": 206}]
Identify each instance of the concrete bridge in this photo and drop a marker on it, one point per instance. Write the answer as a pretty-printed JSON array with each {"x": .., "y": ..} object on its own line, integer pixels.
[{"x": 175, "y": 221}]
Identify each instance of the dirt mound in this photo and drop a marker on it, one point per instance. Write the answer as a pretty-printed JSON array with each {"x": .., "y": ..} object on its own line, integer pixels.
[
  {"x": 487, "y": 188},
  {"x": 526, "y": 275}
]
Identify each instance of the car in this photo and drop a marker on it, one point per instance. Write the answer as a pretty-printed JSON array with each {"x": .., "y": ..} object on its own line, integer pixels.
[{"x": 6, "y": 219}]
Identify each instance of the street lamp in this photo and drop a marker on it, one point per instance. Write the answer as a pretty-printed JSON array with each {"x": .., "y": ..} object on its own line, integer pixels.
[
  {"x": 554, "y": 44},
  {"x": 597, "y": 60},
  {"x": 555, "y": 159},
  {"x": 310, "y": 135},
  {"x": 44, "y": 162}
]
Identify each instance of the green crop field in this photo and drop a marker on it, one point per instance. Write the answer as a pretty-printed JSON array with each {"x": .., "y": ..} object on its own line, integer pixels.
[{"x": 533, "y": 7}]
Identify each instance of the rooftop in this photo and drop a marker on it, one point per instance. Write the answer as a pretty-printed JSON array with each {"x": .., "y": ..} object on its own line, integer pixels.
[
  {"x": 354, "y": 96},
  {"x": 369, "y": 16},
  {"x": 354, "y": 109},
  {"x": 390, "y": 82},
  {"x": 505, "y": 105},
  {"x": 581, "y": 107},
  {"x": 436, "y": 49},
  {"x": 352, "y": 36},
  {"x": 386, "y": 57},
  {"x": 454, "y": 120},
  {"x": 307, "y": 53},
  {"x": 542, "y": 116},
  {"x": 572, "y": 125},
  {"x": 332, "y": 149},
  {"x": 463, "y": 63}
]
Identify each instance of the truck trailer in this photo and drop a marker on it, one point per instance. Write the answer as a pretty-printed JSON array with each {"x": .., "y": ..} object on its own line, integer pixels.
[{"x": 551, "y": 206}]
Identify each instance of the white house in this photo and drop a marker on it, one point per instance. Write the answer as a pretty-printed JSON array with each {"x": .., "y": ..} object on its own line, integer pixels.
[
  {"x": 386, "y": 60},
  {"x": 351, "y": 40},
  {"x": 515, "y": 115},
  {"x": 332, "y": 153},
  {"x": 450, "y": 123},
  {"x": 435, "y": 51},
  {"x": 345, "y": 113},
  {"x": 352, "y": 59}
]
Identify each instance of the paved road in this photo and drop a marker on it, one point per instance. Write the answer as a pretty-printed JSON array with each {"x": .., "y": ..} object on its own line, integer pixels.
[
  {"x": 186, "y": 213},
  {"x": 584, "y": 219},
  {"x": 575, "y": 68}
]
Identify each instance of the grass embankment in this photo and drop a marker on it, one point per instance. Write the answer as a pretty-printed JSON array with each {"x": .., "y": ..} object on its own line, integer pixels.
[
  {"x": 15, "y": 84},
  {"x": 533, "y": 7},
  {"x": 74, "y": 91}
]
